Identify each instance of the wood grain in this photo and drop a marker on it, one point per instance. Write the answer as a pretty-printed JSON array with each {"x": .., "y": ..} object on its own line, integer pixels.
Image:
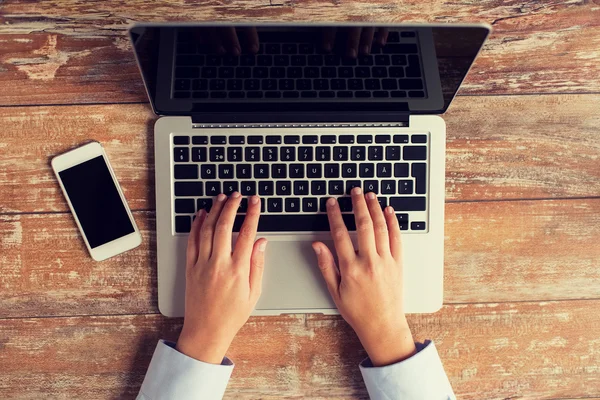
[
  {"x": 69, "y": 53},
  {"x": 490, "y": 351},
  {"x": 500, "y": 147},
  {"x": 495, "y": 252}
]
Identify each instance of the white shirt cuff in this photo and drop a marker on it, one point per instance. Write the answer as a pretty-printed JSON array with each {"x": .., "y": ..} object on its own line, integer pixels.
[
  {"x": 173, "y": 375},
  {"x": 421, "y": 376}
]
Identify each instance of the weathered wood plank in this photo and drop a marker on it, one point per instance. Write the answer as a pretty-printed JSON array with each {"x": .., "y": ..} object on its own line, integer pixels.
[
  {"x": 495, "y": 252},
  {"x": 65, "y": 52},
  {"x": 490, "y": 351},
  {"x": 499, "y": 147}
]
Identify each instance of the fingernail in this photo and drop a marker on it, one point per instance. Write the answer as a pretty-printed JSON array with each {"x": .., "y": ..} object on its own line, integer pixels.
[
  {"x": 221, "y": 50},
  {"x": 254, "y": 199},
  {"x": 370, "y": 195},
  {"x": 366, "y": 49},
  {"x": 200, "y": 212},
  {"x": 389, "y": 210},
  {"x": 235, "y": 195},
  {"x": 236, "y": 51},
  {"x": 262, "y": 246},
  {"x": 331, "y": 202},
  {"x": 352, "y": 53},
  {"x": 356, "y": 190},
  {"x": 317, "y": 249},
  {"x": 221, "y": 197}
]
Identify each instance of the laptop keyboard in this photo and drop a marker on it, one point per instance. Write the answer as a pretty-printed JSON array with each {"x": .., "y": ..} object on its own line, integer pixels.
[
  {"x": 296, "y": 70},
  {"x": 295, "y": 175}
]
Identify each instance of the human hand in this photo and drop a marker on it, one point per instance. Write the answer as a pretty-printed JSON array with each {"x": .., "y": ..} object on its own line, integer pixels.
[
  {"x": 222, "y": 286},
  {"x": 357, "y": 40},
  {"x": 367, "y": 287},
  {"x": 229, "y": 39}
]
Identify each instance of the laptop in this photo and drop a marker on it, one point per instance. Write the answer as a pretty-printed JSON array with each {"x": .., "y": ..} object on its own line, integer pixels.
[{"x": 298, "y": 113}]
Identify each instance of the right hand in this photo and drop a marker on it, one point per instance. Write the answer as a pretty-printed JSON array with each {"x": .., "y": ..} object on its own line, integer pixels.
[{"x": 367, "y": 286}]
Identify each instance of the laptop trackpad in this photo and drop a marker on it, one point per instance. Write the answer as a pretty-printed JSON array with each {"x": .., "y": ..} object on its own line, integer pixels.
[{"x": 292, "y": 279}]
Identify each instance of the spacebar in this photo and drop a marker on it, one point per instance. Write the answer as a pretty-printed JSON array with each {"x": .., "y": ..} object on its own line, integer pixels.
[{"x": 294, "y": 223}]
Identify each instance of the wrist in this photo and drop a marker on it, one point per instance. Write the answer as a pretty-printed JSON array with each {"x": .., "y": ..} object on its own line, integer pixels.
[
  {"x": 389, "y": 345},
  {"x": 203, "y": 347}
]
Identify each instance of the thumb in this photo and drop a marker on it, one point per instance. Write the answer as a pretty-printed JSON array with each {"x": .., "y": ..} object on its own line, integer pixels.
[
  {"x": 328, "y": 268},
  {"x": 257, "y": 267}
]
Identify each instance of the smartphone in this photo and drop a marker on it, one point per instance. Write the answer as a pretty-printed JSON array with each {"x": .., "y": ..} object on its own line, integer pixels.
[{"x": 96, "y": 201}]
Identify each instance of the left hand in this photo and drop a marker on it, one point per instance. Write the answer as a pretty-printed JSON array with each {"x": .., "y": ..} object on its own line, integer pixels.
[{"x": 222, "y": 284}]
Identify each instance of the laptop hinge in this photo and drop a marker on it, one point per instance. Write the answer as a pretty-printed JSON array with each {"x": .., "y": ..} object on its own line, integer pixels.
[{"x": 302, "y": 119}]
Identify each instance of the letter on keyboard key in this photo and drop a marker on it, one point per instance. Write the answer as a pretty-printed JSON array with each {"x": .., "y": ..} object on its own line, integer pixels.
[
  {"x": 274, "y": 205},
  {"x": 309, "y": 204},
  {"x": 408, "y": 203},
  {"x": 248, "y": 188}
]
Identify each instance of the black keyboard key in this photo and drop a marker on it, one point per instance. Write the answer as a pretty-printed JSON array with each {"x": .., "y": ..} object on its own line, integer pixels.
[
  {"x": 288, "y": 154},
  {"x": 306, "y": 48},
  {"x": 349, "y": 61},
  {"x": 181, "y": 140},
  {"x": 351, "y": 184},
  {"x": 310, "y": 94},
  {"x": 382, "y": 202},
  {"x": 321, "y": 84},
  {"x": 291, "y": 139},
  {"x": 270, "y": 153},
  {"x": 208, "y": 171},
  {"x": 392, "y": 153},
  {"x": 261, "y": 171},
  {"x": 264, "y": 60},
  {"x": 389, "y": 84},
  {"x": 336, "y": 187},
  {"x": 273, "y": 139},
  {"x": 346, "y": 139},
  {"x": 388, "y": 187},
  {"x": 243, "y": 72},
  {"x": 292, "y": 205},
  {"x": 255, "y": 140},
  {"x": 371, "y": 186},
  {"x": 311, "y": 72},
  {"x": 419, "y": 172},
  {"x": 329, "y": 72},
  {"x": 303, "y": 84},
  {"x": 218, "y": 95},
  {"x": 376, "y": 153},
  {"x": 286, "y": 84},
  {"x": 332, "y": 170},
  {"x": 315, "y": 60},
  {"x": 217, "y": 84},
  {"x": 405, "y": 186},
  {"x": 254, "y": 95},
  {"x": 209, "y": 72},
  {"x": 366, "y": 170},
  {"x": 345, "y": 204},
  {"x": 272, "y": 95},
  {"x": 294, "y": 72},
  {"x": 283, "y": 188},
  {"x": 399, "y": 59},
  {"x": 347, "y": 72},
  {"x": 278, "y": 171},
  {"x": 398, "y": 93},
  {"x": 362, "y": 72},
  {"x": 328, "y": 139},
  {"x": 310, "y": 205},
  {"x": 218, "y": 140},
  {"x": 400, "y": 138},
  {"x": 226, "y": 72},
  {"x": 213, "y": 188},
  {"x": 419, "y": 138},
  {"x": 289, "y": 48},
  {"x": 204, "y": 204},
  {"x": 414, "y": 67},
  {"x": 365, "y": 139},
  {"x": 187, "y": 72},
  {"x": 338, "y": 84},
  {"x": 415, "y": 153},
  {"x": 305, "y": 153},
  {"x": 310, "y": 139},
  {"x": 199, "y": 139},
  {"x": 318, "y": 187},
  {"x": 236, "y": 140},
  {"x": 358, "y": 153},
  {"x": 314, "y": 171},
  {"x": 183, "y": 224},
  {"x": 281, "y": 60},
  {"x": 199, "y": 154},
  {"x": 417, "y": 225},
  {"x": 252, "y": 154},
  {"x": 349, "y": 170},
  {"x": 400, "y": 48},
  {"x": 332, "y": 59},
  {"x": 188, "y": 189},
  {"x": 252, "y": 84},
  {"x": 272, "y": 48},
  {"x": 243, "y": 208},
  {"x": 229, "y": 187},
  {"x": 181, "y": 154},
  {"x": 185, "y": 206},
  {"x": 300, "y": 188},
  {"x": 226, "y": 171},
  {"x": 260, "y": 72},
  {"x": 266, "y": 188},
  {"x": 234, "y": 154},
  {"x": 189, "y": 171},
  {"x": 365, "y": 59},
  {"x": 323, "y": 153},
  {"x": 243, "y": 171},
  {"x": 323, "y": 204},
  {"x": 296, "y": 170},
  {"x": 396, "y": 72},
  {"x": 340, "y": 153},
  {"x": 362, "y": 94},
  {"x": 408, "y": 203},
  {"x": 382, "y": 59},
  {"x": 384, "y": 170},
  {"x": 401, "y": 170},
  {"x": 382, "y": 139},
  {"x": 328, "y": 94},
  {"x": 217, "y": 154},
  {"x": 379, "y": 72},
  {"x": 236, "y": 95},
  {"x": 269, "y": 84},
  {"x": 248, "y": 188},
  {"x": 274, "y": 205},
  {"x": 247, "y": 59},
  {"x": 410, "y": 84}
]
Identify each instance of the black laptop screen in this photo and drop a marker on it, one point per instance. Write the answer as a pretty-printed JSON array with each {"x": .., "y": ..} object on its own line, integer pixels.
[{"x": 212, "y": 69}]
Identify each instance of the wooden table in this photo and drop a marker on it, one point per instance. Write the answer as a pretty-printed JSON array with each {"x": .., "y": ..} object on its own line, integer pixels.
[{"x": 522, "y": 292}]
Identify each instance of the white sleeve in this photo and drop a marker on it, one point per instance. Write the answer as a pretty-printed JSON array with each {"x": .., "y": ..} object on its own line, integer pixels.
[
  {"x": 421, "y": 376},
  {"x": 173, "y": 375}
]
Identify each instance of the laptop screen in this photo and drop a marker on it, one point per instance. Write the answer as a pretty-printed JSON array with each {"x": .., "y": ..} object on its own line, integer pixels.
[{"x": 400, "y": 69}]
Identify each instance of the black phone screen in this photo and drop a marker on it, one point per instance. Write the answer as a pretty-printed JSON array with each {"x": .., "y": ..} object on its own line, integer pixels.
[{"x": 96, "y": 201}]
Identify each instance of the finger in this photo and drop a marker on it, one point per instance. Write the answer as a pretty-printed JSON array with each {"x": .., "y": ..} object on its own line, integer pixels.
[
  {"x": 364, "y": 223},
  {"x": 257, "y": 267},
  {"x": 394, "y": 233},
  {"x": 328, "y": 38},
  {"x": 382, "y": 36},
  {"x": 352, "y": 42},
  {"x": 194, "y": 239},
  {"x": 382, "y": 237},
  {"x": 251, "y": 40},
  {"x": 224, "y": 227},
  {"x": 247, "y": 235},
  {"x": 339, "y": 232},
  {"x": 230, "y": 40},
  {"x": 208, "y": 228},
  {"x": 366, "y": 40},
  {"x": 216, "y": 41},
  {"x": 328, "y": 269}
]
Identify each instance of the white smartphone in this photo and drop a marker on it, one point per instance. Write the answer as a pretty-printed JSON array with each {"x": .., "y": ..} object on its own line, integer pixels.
[{"x": 96, "y": 201}]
